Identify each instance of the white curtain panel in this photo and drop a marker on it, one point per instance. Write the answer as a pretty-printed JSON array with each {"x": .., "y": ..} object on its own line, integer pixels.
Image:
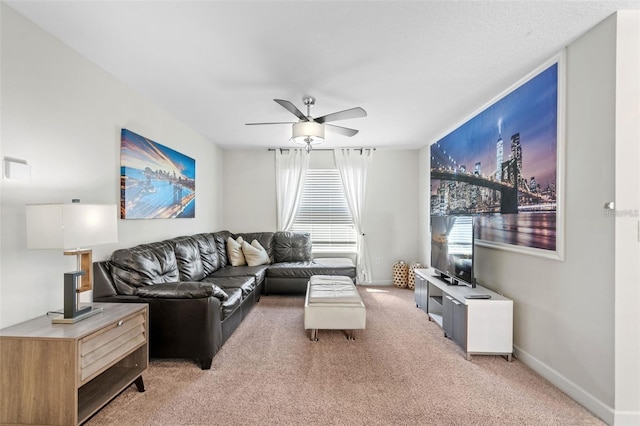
[
  {"x": 353, "y": 165},
  {"x": 291, "y": 171}
]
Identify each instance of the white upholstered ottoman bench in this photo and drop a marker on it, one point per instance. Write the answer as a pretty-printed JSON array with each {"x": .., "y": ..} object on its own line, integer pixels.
[{"x": 333, "y": 303}]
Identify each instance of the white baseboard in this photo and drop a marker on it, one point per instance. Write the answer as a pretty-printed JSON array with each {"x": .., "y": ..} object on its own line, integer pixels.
[
  {"x": 584, "y": 398},
  {"x": 378, "y": 283}
]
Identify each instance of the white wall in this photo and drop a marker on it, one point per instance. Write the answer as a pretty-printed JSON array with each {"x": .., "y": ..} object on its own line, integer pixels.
[
  {"x": 566, "y": 314},
  {"x": 250, "y": 191},
  {"x": 627, "y": 221},
  {"x": 63, "y": 115},
  {"x": 391, "y": 222}
]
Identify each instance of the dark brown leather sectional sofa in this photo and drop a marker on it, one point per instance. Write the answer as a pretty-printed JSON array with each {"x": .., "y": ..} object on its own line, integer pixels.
[{"x": 196, "y": 298}]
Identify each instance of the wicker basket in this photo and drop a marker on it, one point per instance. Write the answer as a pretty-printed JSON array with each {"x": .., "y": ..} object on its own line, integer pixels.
[
  {"x": 400, "y": 274},
  {"x": 412, "y": 274}
]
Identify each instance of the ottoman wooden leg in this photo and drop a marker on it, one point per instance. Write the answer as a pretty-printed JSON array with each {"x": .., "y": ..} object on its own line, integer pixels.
[{"x": 314, "y": 335}]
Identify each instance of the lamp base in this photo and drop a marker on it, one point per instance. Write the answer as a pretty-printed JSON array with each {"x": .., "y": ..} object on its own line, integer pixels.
[
  {"x": 85, "y": 313},
  {"x": 72, "y": 313}
]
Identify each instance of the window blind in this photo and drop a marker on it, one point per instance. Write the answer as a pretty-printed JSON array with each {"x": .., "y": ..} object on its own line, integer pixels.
[
  {"x": 461, "y": 236},
  {"x": 324, "y": 213}
]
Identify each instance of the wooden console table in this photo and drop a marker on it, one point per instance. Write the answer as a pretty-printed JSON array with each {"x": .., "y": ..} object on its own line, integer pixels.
[{"x": 61, "y": 374}]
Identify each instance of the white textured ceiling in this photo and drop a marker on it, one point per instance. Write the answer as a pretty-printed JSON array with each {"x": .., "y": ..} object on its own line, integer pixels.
[{"x": 417, "y": 67}]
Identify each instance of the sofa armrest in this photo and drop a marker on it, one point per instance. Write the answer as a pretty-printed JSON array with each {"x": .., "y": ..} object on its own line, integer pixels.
[
  {"x": 182, "y": 290},
  {"x": 103, "y": 285}
]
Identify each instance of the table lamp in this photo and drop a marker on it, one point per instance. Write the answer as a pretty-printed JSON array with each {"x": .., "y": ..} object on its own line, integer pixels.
[{"x": 71, "y": 227}]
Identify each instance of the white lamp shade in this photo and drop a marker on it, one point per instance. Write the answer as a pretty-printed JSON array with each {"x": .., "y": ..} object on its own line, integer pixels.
[
  {"x": 308, "y": 132},
  {"x": 71, "y": 226}
]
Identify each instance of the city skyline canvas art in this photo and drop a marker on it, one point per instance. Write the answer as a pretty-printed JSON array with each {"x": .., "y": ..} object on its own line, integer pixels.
[
  {"x": 156, "y": 182},
  {"x": 503, "y": 165}
]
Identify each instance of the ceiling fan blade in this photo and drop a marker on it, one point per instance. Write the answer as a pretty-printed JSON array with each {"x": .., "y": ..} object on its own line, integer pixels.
[
  {"x": 342, "y": 130},
  {"x": 356, "y": 112},
  {"x": 292, "y": 109},
  {"x": 275, "y": 122}
]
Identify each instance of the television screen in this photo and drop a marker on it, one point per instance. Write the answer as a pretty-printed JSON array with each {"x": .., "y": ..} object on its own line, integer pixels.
[{"x": 452, "y": 247}]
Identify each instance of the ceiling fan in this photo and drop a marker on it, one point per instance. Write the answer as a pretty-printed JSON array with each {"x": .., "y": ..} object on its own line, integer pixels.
[{"x": 309, "y": 130}]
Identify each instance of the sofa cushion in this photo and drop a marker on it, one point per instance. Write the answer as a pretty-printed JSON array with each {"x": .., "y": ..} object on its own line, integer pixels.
[
  {"x": 246, "y": 284},
  {"x": 188, "y": 258},
  {"x": 208, "y": 252},
  {"x": 292, "y": 246},
  {"x": 221, "y": 245},
  {"x": 255, "y": 254},
  {"x": 182, "y": 290},
  {"x": 234, "y": 251},
  {"x": 320, "y": 266},
  {"x": 259, "y": 272},
  {"x": 232, "y": 303},
  {"x": 266, "y": 240},
  {"x": 145, "y": 264}
]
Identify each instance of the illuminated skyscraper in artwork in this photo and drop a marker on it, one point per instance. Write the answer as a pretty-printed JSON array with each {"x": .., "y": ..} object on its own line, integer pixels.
[
  {"x": 516, "y": 153},
  {"x": 499, "y": 154}
]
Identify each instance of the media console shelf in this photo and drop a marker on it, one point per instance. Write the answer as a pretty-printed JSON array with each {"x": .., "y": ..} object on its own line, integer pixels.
[{"x": 478, "y": 326}]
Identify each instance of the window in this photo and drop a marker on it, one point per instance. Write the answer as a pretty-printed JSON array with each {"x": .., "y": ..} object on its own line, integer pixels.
[
  {"x": 460, "y": 240},
  {"x": 323, "y": 212}
]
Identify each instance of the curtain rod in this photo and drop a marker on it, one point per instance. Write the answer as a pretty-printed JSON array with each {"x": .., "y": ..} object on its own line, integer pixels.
[{"x": 315, "y": 149}]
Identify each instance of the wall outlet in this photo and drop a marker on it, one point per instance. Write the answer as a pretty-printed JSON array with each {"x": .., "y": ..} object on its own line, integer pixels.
[{"x": 377, "y": 260}]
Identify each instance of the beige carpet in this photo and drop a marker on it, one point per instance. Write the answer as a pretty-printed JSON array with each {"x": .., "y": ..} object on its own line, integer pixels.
[{"x": 399, "y": 371}]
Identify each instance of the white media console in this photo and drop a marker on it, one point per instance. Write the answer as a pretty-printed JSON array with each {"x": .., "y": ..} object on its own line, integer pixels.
[{"x": 478, "y": 326}]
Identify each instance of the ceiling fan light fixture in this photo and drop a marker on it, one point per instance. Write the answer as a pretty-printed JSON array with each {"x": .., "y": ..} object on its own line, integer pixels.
[{"x": 308, "y": 133}]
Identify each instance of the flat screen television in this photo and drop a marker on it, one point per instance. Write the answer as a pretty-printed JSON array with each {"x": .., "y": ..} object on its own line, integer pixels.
[{"x": 452, "y": 248}]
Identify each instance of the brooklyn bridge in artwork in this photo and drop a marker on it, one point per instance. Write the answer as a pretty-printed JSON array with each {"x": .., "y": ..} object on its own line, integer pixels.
[
  {"x": 156, "y": 182},
  {"x": 502, "y": 166}
]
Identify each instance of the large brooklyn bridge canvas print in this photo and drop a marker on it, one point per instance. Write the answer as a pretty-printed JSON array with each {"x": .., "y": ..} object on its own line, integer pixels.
[
  {"x": 503, "y": 165},
  {"x": 156, "y": 182}
]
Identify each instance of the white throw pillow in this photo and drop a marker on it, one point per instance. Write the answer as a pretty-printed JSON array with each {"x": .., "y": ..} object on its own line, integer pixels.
[
  {"x": 234, "y": 251},
  {"x": 255, "y": 254}
]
